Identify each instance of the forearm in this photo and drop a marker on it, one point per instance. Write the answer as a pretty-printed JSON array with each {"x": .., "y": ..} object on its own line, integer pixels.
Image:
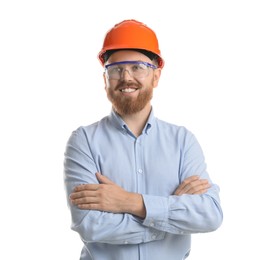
[
  {"x": 113, "y": 228},
  {"x": 124, "y": 225},
  {"x": 108, "y": 197},
  {"x": 135, "y": 205},
  {"x": 184, "y": 214},
  {"x": 102, "y": 226},
  {"x": 105, "y": 227}
]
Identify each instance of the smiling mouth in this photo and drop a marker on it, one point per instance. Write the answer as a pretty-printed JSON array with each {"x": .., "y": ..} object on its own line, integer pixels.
[{"x": 128, "y": 90}]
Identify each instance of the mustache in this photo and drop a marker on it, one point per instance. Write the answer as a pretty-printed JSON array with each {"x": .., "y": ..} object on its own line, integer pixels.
[{"x": 125, "y": 84}]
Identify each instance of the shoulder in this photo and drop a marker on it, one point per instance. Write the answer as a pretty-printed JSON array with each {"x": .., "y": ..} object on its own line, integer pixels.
[
  {"x": 172, "y": 128},
  {"x": 88, "y": 131},
  {"x": 181, "y": 136},
  {"x": 90, "y": 128},
  {"x": 175, "y": 133}
]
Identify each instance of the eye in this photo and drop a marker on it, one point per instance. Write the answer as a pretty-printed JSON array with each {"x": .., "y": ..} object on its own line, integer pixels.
[
  {"x": 137, "y": 67},
  {"x": 115, "y": 69}
]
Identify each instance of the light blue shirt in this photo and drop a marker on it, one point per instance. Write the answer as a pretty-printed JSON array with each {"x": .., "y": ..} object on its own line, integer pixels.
[{"x": 153, "y": 164}]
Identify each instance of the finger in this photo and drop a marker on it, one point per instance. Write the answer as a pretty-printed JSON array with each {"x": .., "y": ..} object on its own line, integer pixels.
[
  {"x": 103, "y": 179},
  {"x": 201, "y": 185},
  {"x": 186, "y": 182},
  {"x": 90, "y": 206},
  {"x": 205, "y": 188},
  {"x": 82, "y": 194},
  {"x": 84, "y": 200},
  {"x": 83, "y": 187},
  {"x": 200, "y": 192},
  {"x": 184, "y": 186},
  {"x": 193, "y": 187},
  {"x": 189, "y": 180}
]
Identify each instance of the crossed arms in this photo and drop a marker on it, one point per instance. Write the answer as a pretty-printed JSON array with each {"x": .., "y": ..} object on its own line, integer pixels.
[
  {"x": 109, "y": 197},
  {"x": 104, "y": 211}
]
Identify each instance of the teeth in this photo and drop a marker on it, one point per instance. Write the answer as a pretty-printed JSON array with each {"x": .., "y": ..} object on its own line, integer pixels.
[{"x": 128, "y": 90}]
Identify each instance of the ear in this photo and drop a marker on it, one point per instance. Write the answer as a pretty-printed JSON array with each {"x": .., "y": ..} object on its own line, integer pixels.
[{"x": 156, "y": 77}]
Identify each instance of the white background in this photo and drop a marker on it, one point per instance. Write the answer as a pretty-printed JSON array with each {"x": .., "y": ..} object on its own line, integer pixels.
[{"x": 213, "y": 82}]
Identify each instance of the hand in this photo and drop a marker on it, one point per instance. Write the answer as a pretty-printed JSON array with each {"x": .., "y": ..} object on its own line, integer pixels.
[
  {"x": 107, "y": 196},
  {"x": 192, "y": 185}
]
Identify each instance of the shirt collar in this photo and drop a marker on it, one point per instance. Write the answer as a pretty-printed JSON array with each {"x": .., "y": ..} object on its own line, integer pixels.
[{"x": 118, "y": 122}]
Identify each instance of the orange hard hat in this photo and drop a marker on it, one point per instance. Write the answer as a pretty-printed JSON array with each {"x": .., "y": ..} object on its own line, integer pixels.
[{"x": 131, "y": 34}]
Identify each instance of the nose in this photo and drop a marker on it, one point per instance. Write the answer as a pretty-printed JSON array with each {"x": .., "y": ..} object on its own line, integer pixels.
[{"x": 125, "y": 75}]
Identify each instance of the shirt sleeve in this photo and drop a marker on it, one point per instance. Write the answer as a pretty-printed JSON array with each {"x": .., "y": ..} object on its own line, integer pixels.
[
  {"x": 93, "y": 225},
  {"x": 186, "y": 214}
]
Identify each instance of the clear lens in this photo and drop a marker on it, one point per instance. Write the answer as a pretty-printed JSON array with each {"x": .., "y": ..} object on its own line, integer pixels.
[{"x": 136, "y": 69}]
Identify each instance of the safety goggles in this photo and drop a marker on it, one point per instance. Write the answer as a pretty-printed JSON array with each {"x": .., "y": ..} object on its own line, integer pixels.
[{"x": 136, "y": 69}]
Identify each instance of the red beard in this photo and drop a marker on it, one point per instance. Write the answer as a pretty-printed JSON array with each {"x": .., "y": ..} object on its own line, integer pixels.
[{"x": 125, "y": 105}]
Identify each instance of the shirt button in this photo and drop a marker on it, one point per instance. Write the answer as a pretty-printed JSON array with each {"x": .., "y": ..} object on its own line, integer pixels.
[
  {"x": 126, "y": 242},
  {"x": 153, "y": 236},
  {"x": 140, "y": 171},
  {"x": 152, "y": 224}
]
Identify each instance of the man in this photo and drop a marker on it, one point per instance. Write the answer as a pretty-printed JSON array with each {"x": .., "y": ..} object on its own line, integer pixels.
[{"x": 137, "y": 186}]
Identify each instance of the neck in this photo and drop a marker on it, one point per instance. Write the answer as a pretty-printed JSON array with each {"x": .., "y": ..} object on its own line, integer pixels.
[{"x": 136, "y": 122}]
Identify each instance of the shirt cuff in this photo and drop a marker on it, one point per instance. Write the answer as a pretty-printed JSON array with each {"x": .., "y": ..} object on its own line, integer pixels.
[{"x": 156, "y": 211}]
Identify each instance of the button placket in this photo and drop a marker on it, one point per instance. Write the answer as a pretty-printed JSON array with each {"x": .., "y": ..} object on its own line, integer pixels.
[{"x": 138, "y": 163}]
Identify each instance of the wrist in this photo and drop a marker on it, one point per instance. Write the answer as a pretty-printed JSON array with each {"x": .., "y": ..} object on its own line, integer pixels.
[{"x": 136, "y": 205}]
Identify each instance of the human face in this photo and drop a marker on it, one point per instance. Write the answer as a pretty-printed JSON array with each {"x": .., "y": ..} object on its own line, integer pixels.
[{"x": 128, "y": 94}]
